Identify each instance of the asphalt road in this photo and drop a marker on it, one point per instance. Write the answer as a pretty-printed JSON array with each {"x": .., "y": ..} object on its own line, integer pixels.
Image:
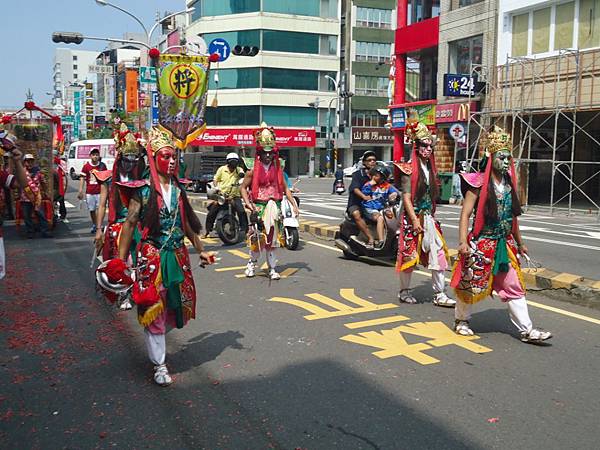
[
  {"x": 561, "y": 243},
  {"x": 324, "y": 358}
]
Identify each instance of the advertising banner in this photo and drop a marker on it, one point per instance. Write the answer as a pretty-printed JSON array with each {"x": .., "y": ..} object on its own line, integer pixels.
[
  {"x": 234, "y": 137},
  {"x": 183, "y": 92},
  {"x": 131, "y": 89},
  {"x": 454, "y": 112}
]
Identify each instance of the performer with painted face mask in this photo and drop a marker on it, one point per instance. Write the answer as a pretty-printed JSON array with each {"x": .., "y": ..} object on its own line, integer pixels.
[
  {"x": 267, "y": 186},
  {"x": 421, "y": 240},
  {"x": 128, "y": 166},
  {"x": 489, "y": 255},
  {"x": 164, "y": 289}
]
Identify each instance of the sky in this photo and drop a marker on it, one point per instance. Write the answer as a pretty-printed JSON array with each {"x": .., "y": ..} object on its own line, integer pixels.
[{"x": 27, "y": 54}]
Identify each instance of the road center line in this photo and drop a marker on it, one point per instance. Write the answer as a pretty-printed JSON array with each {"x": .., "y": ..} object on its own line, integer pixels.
[{"x": 563, "y": 312}]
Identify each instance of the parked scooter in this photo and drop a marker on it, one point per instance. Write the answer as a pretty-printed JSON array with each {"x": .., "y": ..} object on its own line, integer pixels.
[
  {"x": 353, "y": 243},
  {"x": 340, "y": 187},
  {"x": 291, "y": 224}
]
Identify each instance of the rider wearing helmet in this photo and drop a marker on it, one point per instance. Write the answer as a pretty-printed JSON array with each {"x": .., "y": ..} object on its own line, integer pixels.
[
  {"x": 227, "y": 181},
  {"x": 379, "y": 190},
  {"x": 355, "y": 195}
]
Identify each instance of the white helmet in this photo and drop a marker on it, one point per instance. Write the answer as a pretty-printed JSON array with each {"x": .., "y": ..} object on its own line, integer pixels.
[{"x": 232, "y": 155}]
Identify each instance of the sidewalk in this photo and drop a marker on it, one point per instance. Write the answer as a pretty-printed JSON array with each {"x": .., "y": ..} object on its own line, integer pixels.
[{"x": 563, "y": 286}]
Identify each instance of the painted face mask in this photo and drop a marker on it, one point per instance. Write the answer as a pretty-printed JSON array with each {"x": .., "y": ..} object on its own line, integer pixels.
[
  {"x": 128, "y": 163},
  {"x": 501, "y": 161},
  {"x": 425, "y": 149},
  {"x": 166, "y": 162}
]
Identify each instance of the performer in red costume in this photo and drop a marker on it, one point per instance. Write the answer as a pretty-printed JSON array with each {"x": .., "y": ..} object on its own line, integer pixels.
[
  {"x": 421, "y": 240},
  {"x": 490, "y": 254}
]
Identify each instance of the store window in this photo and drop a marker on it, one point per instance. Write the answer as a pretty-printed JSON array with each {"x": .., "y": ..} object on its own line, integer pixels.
[
  {"x": 245, "y": 37},
  {"x": 305, "y": 80},
  {"x": 419, "y": 10},
  {"x": 589, "y": 24},
  {"x": 373, "y": 51},
  {"x": 289, "y": 116},
  {"x": 208, "y": 8},
  {"x": 465, "y": 52},
  {"x": 367, "y": 118},
  {"x": 563, "y": 28},
  {"x": 371, "y": 86},
  {"x": 373, "y": 18},
  {"x": 233, "y": 115},
  {"x": 236, "y": 79},
  {"x": 289, "y": 41}
]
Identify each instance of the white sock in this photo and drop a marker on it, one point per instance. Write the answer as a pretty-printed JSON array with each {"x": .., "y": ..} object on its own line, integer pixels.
[
  {"x": 462, "y": 310},
  {"x": 404, "y": 278},
  {"x": 438, "y": 281},
  {"x": 519, "y": 314},
  {"x": 157, "y": 347}
]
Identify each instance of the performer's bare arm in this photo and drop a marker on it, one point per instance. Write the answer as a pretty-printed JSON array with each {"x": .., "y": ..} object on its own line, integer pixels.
[
  {"x": 244, "y": 190},
  {"x": 408, "y": 204},
  {"x": 133, "y": 217},
  {"x": 99, "y": 237},
  {"x": 523, "y": 250},
  {"x": 465, "y": 214},
  {"x": 81, "y": 183}
]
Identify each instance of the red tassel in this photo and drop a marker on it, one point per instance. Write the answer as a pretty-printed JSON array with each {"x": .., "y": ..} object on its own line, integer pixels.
[{"x": 145, "y": 296}]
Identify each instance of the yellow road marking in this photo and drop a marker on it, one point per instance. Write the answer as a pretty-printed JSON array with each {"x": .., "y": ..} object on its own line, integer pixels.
[
  {"x": 373, "y": 322},
  {"x": 239, "y": 253},
  {"x": 288, "y": 272},
  {"x": 564, "y": 312},
  {"x": 534, "y": 304}
]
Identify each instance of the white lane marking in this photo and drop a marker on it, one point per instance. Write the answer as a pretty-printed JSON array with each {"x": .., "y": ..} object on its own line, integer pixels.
[
  {"x": 305, "y": 213},
  {"x": 549, "y": 241},
  {"x": 563, "y": 312}
]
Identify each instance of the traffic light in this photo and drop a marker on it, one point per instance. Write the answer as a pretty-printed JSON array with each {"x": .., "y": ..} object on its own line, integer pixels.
[
  {"x": 67, "y": 37},
  {"x": 346, "y": 94},
  {"x": 245, "y": 50}
]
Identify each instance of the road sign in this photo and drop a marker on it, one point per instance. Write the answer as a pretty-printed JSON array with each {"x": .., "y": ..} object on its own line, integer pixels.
[
  {"x": 457, "y": 131},
  {"x": 67, "y": 119},
  {"x": 103, "y": 70},
  {"x": 220, "y": 47},
  {"x": 458, "y": 85},
  {"x": 154, "y": 108},
  {"x": 76, "y": 96},
  {"x": 147, "y": 74}
]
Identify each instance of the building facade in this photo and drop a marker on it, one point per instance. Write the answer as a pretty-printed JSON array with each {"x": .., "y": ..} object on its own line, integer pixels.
[
  {"x": 288, "y": 83},
  {"x": 365, "y": 58}
]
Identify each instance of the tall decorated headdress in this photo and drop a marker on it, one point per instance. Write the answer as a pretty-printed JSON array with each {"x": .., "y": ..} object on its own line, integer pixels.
[
  {"x": 126, "y": 142},
  {"x": 265, "y": 142},
  {"x": 417, "y": 131},
  {"x": 495, "y": 140}
]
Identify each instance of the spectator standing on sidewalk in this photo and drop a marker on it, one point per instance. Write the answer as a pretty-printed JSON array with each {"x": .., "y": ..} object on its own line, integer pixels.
[{"x": 92, "y": 187}]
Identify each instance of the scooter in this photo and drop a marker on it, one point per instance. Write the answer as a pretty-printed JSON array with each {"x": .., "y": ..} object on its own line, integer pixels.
[
  {"x": 353, "y": 243},
  {"x": 291, "y": 224},
  {"x": 340, "y": 187}
]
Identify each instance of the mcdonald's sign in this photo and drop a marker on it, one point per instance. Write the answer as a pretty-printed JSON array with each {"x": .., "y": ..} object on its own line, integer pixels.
[{"x": 454, "y": 112}]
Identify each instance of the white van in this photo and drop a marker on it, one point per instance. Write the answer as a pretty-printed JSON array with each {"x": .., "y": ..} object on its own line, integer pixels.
[{"x": 79, "y": 154}]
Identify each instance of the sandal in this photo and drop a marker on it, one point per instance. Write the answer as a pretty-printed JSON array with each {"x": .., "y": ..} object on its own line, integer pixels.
[
  {"x": 441, "y": 299},
  {"x": 161, "y": 375},
  {"x": 462, "y": 327},
  {"x": 405, "y": 296},
  {"x": 535, "y": 336}
]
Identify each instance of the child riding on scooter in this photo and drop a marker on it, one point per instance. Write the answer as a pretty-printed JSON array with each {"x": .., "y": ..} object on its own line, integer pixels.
[{"x": 379, "y": 191}]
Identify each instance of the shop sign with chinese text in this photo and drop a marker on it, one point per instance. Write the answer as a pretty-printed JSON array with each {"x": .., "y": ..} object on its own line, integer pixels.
[
  {"x": 372, "y": 135},
  {"x": 233, "y": 137}
]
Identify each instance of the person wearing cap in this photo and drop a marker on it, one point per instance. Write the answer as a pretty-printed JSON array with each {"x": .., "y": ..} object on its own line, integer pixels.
[
  {"x": 262, "y": 190},
  {"x": 356, "y": 196},
  {"x": 32, "y": 202},
  {"x": 92, "y": 188},
  {"x": 227, "y": 181},
  {"x": 10, "y": 181}
]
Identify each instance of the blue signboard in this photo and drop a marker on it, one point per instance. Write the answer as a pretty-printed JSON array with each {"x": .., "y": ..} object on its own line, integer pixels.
[
  {"x": 154, "y": 108},
  {"x": 459, "y": 85},
  {"x": 398, "y": 117},
  {"x": 220, "y": 47}
]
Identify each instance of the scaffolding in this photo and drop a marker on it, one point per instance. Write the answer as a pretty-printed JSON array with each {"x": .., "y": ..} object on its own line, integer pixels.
[{"x": 550, "y": 105}]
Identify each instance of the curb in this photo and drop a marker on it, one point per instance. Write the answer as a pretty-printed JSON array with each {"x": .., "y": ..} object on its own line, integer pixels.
[{"x": 562, "y": 286}]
